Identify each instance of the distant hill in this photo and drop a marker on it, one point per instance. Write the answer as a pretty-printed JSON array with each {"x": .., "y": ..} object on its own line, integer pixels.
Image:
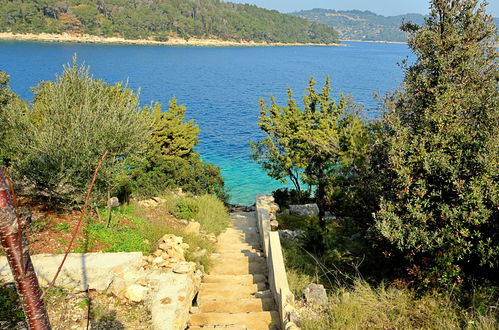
[
  {"x": 160, "y": 19},
  {"x": 363, "y": 25}
]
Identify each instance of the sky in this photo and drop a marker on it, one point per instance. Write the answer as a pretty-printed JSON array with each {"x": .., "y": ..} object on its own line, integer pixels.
[{"x": 383, "y": 7}]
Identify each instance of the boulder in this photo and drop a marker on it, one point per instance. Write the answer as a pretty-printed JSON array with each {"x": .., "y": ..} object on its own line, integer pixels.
[
  {"x": 315, "y": 294},
  {"x": 192, "y": 227},
  {"x": 136, "y": 292},
  {"x": 304, "y": 210},
  {"x": 184, "y": 267},
  {"x": 114, "y": 202}
]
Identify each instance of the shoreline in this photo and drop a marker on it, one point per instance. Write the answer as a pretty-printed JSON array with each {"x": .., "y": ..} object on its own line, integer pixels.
[
  {"x": 378, "y": 41},
  {"x": 172, "y": 41}
]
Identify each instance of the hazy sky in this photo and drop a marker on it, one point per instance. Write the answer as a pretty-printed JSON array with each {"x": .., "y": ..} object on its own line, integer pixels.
[{"x": 383, "y": 7}]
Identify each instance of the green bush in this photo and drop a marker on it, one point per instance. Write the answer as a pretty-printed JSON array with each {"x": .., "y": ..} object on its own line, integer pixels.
[
  {"x": 185, "y": 210},
  {"x": 285, "y": 197},
  {"x": 171, "y": 161},
  {"x": 439, "y": 206},
  {"x": 71, "y": 123}
]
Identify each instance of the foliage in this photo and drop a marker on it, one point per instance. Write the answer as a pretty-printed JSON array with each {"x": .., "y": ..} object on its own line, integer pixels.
[
  {"x": 389, "y": 307},
  {"x": 439, "y": 206},
  {"x": 71, "y": 123},
  {"x": 184, "y": 210},
  {"x": 362, "y": 25},
  {"x": 171, "y": 161},
  {"x": 160, "y": 19},
  {"x": 210, "y": 212},
  {"x": 11, "y": 311},
  {"x": 285, "y": 197},
  {"x": 311, "y": 144}
]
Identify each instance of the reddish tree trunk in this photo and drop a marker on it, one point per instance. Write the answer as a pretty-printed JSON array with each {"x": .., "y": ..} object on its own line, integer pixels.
[{"x": 15, "y": 246}]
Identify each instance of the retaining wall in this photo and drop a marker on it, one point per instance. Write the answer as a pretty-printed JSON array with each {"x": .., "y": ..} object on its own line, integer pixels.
[{"x": 278, "y": 281}]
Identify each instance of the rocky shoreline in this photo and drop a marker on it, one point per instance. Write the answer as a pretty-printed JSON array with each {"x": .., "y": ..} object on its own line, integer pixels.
[{"x": 172, "y": 41}]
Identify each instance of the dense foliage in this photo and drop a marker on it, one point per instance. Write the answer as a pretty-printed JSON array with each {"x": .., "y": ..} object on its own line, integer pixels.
[
  {"x": 54, "y": 144},
  {"x": 419, "y": 191},
  {"x": 309, "y": 145},
  {"x": 362, "y": 25},
  {"x": 440, "y": 206},
  {"x": 160, "y": 19},
  {"x": 171, "y": 161}
]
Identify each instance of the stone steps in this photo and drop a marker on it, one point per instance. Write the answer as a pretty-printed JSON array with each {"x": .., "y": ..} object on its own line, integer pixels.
[
  {"x": 237, "y": 305},
  {"x": 235, "y": 279},
  {"x": 255, "y": 320},
  {"x": 254, "y": 287},
  {"x": 221, "y": 295},
  {"x": 235, "y": 295}
]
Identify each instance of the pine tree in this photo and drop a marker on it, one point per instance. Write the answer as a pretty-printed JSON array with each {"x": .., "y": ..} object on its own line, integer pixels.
[{"x": 442, "y": 139}]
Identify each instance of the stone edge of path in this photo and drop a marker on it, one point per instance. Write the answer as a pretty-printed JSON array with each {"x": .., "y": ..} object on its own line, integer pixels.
[
  {"x": 168, "y": 294},
  {"x": 266, "y": 209}
]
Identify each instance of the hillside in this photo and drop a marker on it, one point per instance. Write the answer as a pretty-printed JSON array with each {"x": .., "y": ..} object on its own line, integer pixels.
[
  {"x": 362, "y": 25},
  {"x": 160, "y": 20}
]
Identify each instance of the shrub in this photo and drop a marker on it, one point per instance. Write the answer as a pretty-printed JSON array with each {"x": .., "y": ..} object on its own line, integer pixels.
[
  {"x": 285, "y": 197},
  {"x": 71, "y": 123},
  {"x": 171, "y": 161},
  {"x": 439, "y": 208}
]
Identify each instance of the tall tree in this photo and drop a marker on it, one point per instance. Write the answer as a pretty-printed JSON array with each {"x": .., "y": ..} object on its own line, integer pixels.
[
  {"x": 442, "y": 137},
  {"x": 312, "y": 142}
]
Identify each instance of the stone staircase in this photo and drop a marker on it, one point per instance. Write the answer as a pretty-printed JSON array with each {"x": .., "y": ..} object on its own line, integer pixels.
[{"x": 235, "y": 293}]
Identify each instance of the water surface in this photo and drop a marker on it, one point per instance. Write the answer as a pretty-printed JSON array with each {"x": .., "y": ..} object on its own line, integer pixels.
[{"x": 220, "y": 86}]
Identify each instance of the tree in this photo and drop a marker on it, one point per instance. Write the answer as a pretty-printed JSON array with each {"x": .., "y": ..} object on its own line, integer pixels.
[
  {"x": 171, "y": 161},
  {"x": 313, "y": 143},
  {"x": 72, "y": 121},
  {"x": 441, "y": 136}
]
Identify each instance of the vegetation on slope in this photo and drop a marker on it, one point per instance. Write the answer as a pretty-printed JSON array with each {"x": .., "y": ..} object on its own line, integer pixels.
[
  {"x": 415, "y": 192},
  {"x": 160, "y": 19},
  {"x": 362, "y": 25}
]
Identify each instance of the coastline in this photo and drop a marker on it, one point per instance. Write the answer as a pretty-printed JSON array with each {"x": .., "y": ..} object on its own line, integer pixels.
[
  {"x": 378, "y": 41},
  {"x": 172, "y": 41}
]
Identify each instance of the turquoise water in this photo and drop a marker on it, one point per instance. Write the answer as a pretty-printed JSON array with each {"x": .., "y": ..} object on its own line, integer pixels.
[{"x": 221, "y": 87}]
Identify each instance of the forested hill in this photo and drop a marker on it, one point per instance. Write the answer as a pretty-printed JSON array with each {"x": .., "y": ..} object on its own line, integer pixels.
[
  {"x": 160, "y": 19},
  {"x": 362, "y": 25}
]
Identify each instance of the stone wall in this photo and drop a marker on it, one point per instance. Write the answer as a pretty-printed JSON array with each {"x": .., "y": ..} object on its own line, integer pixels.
[
  {"x": 126, "y": 275},
  {"x": 266, "y": 211}
]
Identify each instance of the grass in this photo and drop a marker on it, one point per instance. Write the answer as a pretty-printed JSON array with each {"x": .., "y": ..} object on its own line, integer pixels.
[
  {"x": 135, "y": 228},
  {"x": 356, "y": 304},
  {"x": 209, "y": 211}
]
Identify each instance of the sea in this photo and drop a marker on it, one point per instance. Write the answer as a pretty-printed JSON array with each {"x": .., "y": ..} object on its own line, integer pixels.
[{"x": 220, "y": 86}]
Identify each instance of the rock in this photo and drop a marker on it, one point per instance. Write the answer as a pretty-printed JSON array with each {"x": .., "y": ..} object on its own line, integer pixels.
[
  {"x": 315, "y": 294},
  {"x": 290, "y": 234},
  {"x": 192, "y": 228},
  {"x": 114, "y": 202},
  {"x": 304, "y": 210},
  {"x": 136, "y": 293},
  {"x": 158, "y": 260},
  {"x": 184, "y": 267}
]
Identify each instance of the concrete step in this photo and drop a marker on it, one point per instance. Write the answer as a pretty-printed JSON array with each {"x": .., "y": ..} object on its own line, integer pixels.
[
  {"x": 237, "y": 257},
  {"x": 235, "y": 279},
  {"x": 237, "y": 305},
  {"x": 248, "y": 255},
  {"x": 259, "y": 320},
  {"x": 249, "y": 288},
  {"x": 204, "y": 296},
  {"x": 238, "y": 267},
  {"x": 237, "y": 247}
]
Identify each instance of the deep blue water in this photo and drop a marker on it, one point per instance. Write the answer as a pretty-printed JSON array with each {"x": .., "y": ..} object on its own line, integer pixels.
[{"x": 221, "y": 87}]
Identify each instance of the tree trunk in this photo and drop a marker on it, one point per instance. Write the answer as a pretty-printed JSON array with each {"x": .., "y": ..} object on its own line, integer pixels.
[
  {"x": 16, "y": 250},
  {"x": 321, "y": 203}
]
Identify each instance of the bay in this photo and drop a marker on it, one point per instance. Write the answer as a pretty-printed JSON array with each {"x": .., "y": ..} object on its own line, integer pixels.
[{"x": 221, "y": 86}]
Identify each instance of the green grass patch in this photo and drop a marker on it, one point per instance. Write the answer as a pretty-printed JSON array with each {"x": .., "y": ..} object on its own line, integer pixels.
[{"x": 208, "y": 210}]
